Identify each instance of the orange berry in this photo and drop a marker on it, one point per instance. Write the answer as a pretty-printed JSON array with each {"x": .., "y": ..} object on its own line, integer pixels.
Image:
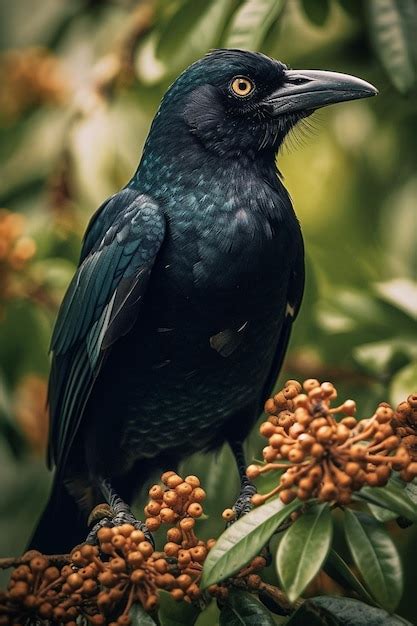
[
  {"x": 153, "y": 523},
  {"x": 296, "y": 455},
  {"x": 184, "y": 581},
  {"x": 171, "y": 549},
  {"x": 193, "y": 591},
  {"x": 187, "y": 524},
  {"x": 317, "y": 450},
  {"x": 107, "y": 578},
  {"x": 161, "y": 566},
  {"x": 168, "y": 516},
  {"x": 137, "y": 576},
  {"x": 184, "y": 557},
  {"x": 257, "y": 499},
  {"x": 252, "y": 471},
  {"x": 228, "y": 515},
  {"x": 118, "y": 564},
  {"x": 193, "y": 481},
  {"x": 45, "y": 610},
  {"x": 145, "y": 547},
  {"x": 198, "y": 553},
  {"x": 328, "y": 492},
  {"x": 351, "y": 468},
  {"x": 198, "y": 494},
  {"x": 151, "y": 603},
  {"x": 267, "y": 429},
  {"x": 349, "y": 422},
  {"x": 152, "y": 508},
  {"x": 174, "y": 481},
  {"x": 324, "y": 434},
  {"x": 287, "y": 496},
  {"x": 195, "y": 510},
  {"x": 170, "y": 496},
  {"x": 177, "y": 594},
  {"x": 174, "y": 534},
  {"x": 306, "y": 441},
  {"x": 167, "y": 475},
  {"x": 156, "y": 492},
  {"x": 105, "y": 535},
  {"x": 119, "y": 542},
  {"x": 269, "y": 453},
  {"x": 137, "y": 536},
  {"x": 75, "y": 581},
  {"x": 329, "y": 390},
  {"x": 39, "y": 564},
  {"x": 269, "y": 406},
  {"x": 184, "y": 490},
  {"x": 135, "y": 559},
  {"x": 310, "y": 383}
]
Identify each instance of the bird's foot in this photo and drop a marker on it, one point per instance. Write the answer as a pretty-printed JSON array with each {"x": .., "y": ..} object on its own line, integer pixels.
[
  {"x": 105, "y": 516},
  {"x": 244, "y": 502}
]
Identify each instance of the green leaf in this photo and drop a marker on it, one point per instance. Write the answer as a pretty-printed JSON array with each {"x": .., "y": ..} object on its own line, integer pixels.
[
  {"x": 331, "y": 611},
  {"x": 244, "y": 539},
  {"x": 303, "y": 549},
  {"x": 380, "y": 514},
  {"x": 411, "y": 490},
  {"x": 172, "y": 613},
  {"x": 251, "y": 23},
  {"x": 391, "y": 498},
  {"x": 335, "y": 566},
  {"x": 243, "y": 609},
  {"x": 404, "y": 383},
  {"x": 140, "y": 617},
  {"x": 401, "y": 293},
  {"x": 392, "y": 26},
  {"x": 385, "y": 356},
  {"x": 192, "y": 31},
  {"x": 376, "y": 558},
  {"x": 317, "y": 11}
]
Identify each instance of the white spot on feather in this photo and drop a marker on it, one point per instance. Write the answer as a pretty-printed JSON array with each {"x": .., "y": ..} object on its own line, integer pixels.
[{"x": 290, "y": 310}]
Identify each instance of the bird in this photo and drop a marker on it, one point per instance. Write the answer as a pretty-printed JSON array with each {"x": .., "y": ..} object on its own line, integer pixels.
[{"x": 174, "y": 328}]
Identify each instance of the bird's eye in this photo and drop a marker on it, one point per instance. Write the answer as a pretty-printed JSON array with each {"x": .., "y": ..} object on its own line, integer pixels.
[{"x": 242, "y": 86}]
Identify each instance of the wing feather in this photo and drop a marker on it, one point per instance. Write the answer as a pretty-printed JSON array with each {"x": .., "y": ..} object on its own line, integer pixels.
[{"x": 101, "y": 305}]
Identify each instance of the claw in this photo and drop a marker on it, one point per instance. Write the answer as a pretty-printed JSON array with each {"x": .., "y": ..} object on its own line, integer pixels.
[
  {"x": 99, "y": 512},
  {"x": 108, "y": 518}
]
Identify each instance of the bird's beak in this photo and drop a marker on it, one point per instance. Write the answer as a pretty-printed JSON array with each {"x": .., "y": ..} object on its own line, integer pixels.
[{"x": 306, "y": 90}]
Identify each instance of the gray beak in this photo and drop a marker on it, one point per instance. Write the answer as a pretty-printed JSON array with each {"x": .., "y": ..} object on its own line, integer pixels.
[{"x": 306, "y": 90}]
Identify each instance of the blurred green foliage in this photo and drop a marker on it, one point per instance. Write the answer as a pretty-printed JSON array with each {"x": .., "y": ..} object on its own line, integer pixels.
[{"x": 81, "y": 82}]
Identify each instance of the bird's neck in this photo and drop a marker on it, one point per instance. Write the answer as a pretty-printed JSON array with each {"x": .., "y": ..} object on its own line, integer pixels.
[{"x": 178, "y": 165}]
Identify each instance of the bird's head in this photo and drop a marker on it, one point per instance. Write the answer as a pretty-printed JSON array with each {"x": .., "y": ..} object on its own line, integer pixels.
[{"x": 239, "y": 102}]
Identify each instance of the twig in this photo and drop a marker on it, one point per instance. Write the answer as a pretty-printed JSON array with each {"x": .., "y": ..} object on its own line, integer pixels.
[{"x": 6, "y": 563}]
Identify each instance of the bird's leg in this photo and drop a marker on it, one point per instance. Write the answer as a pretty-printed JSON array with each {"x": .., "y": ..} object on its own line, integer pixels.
[
  {"x": 243, "y": 503},
  {"x": 118, "y": 513}
]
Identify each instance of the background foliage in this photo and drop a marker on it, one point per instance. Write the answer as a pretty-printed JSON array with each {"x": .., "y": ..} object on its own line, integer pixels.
[{"x": 83, "y": 80}]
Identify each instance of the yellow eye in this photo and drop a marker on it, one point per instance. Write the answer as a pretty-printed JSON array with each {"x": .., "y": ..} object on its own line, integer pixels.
[{"x": 242, "y": 86}]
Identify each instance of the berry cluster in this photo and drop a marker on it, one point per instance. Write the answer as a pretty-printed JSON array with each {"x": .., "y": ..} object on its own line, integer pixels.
[
  {"x": 102, "y": 582},
  {"x": 178, "y": 504},
  {"x": 16, "y": 250},
  {"x": 323, "y": 457},
  {"x": 248, "y": 578},
  {"x": 34, "y": 76},
  {"x": 38, "y": 591},
  {"x": 405, "y": 427}
]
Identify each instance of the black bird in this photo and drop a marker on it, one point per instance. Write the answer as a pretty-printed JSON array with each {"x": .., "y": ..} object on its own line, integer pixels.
[{"x": 174, "y": 328}]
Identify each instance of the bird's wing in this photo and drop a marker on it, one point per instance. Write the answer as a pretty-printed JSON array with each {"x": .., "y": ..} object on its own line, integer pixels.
[
  {"x": 294, "y": 297},
  {"x": 100, "y": 306}
]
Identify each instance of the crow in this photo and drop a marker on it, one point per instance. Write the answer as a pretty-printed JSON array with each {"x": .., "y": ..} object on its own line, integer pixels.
[{"x": 174, "y": 328}]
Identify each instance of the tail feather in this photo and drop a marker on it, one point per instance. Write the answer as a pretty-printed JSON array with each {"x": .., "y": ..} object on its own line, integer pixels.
[{"x": 61, "y": 526}]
